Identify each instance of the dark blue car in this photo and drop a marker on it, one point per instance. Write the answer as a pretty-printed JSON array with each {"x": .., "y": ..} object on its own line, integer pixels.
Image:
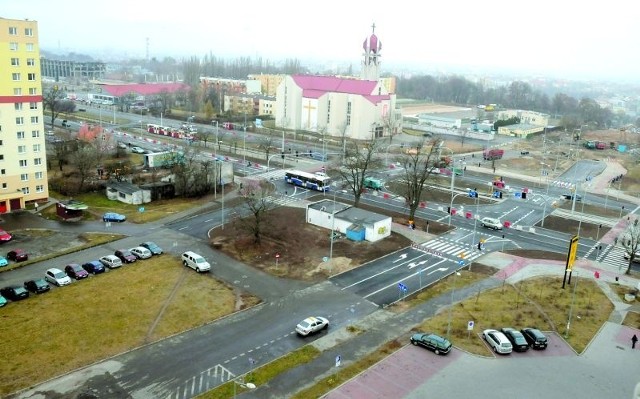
[
  {"x": 93, "y": 267},
  {"x": 113, "y": 217}
]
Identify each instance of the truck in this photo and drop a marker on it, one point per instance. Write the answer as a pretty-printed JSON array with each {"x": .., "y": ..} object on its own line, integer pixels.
[
  {"x": 165, "y": 159},
  {"x": 373, "y": 183},
  {"x": 493, "y": 153}
]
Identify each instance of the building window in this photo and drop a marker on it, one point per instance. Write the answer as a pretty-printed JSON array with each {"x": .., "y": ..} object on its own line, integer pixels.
[
  {"x": 36, "y": 148},
  {"x": 17, "y": 106},
  {"x": 33, "y": 105},
  {"x": 39, "y": 188},
  {"x": 1, "y": 143},
  {"x": 29, "y": 46},
  {"x": 2, "y": 159},
  {"x": 13, "y": 31},
  {"x": 23, "y": 163},
  {"x": 25, "y": 190},
  {"x": 15, "y": 76},
  {"x": 3, "y": 171},
  {"x": 39, "y": 175},
  {"x": 13, "y": 46},
  {"x": 28, "y": 32},
  {"x": 328, "y": 111},
  {"x": 19, "y": 135},
  {"x": 15, "y": 62},
  {"x": 4, "y": 185},
  {"x": 31, "y": 61},
  {"x": 20, "y": 121},
  {"x": 31, "y": 76},
  {"x": 24, "y": 176},
  {"x": 37, "y": 161},
  {"x": 34, "y": 119},
  {"x": 33, "y": 91},
  {"x": 22, "y": 149},
  {"x": 348, "y": 120},
  {"x": 35, "y": 134}
]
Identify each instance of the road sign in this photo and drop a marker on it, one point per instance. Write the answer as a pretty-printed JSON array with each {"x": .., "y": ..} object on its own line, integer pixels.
[
  {"x": 402, "y": 287},
  {"x": 461, "y": 262},
  {"x": 470, "y": 325},
  {"x": 277, "y": 255}
]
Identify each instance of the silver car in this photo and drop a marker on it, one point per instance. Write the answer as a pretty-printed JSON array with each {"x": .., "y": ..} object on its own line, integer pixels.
[{"x": 57, "y": 277}]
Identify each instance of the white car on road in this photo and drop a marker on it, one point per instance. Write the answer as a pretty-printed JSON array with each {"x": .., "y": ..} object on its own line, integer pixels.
[{"x": 311, "y": 325}]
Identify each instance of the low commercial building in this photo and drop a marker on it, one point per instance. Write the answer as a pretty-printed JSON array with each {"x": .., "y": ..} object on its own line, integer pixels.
[{"x": 355, "y": 223}]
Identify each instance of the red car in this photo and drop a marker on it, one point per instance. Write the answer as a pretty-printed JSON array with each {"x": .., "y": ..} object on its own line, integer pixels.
[
  {"x": 18, "y": 255},
  {"x": 4, "y": 236},
  {"x": 125, "y": 256}
]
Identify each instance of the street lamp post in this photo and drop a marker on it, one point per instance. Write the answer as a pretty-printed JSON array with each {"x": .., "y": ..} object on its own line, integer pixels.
[
  {"x": 215, "y": 146},
  {"x": 451, "y": 305},
  {"x": 222, "y": 184},
  {"x": 573, "y": 299}
]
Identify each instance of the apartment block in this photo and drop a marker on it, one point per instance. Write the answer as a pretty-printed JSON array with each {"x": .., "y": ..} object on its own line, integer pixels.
[{"x": 23, "y": 158}]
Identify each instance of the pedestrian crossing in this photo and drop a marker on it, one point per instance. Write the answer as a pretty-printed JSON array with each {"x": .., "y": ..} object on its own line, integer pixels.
[
  {"x": 610, "y": 257},
  {"x": 451, "y": 249},
  {"x": 277, "y": 174}
]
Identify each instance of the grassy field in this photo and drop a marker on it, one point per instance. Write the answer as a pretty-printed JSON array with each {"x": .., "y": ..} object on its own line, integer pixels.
[{"x": 93, "y": 319}]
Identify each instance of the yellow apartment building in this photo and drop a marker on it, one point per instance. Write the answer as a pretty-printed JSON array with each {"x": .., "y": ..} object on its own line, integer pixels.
[{"x": 23, "y": 158}]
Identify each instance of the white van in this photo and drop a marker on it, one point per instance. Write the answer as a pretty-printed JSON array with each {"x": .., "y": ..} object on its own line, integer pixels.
[{"x": 195, "y": 261}]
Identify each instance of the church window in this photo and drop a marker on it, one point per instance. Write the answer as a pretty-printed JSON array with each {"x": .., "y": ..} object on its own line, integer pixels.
[{"x": 328, "y": 111}]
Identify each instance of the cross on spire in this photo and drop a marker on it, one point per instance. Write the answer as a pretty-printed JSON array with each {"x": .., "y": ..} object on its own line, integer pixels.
[{"x": 373, "y": 27}]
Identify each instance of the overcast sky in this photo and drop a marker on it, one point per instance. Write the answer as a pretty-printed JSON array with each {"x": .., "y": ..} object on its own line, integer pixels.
[{"x": 599, "y": 40}]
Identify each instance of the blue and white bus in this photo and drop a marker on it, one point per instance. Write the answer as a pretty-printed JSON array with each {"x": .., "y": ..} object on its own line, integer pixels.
[{"x": 308, "y": 180}]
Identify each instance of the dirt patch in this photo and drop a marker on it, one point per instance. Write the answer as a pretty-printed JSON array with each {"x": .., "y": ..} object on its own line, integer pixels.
[
  {"x": 42, "y": 242},
  {"x": 301, "y": 246}
]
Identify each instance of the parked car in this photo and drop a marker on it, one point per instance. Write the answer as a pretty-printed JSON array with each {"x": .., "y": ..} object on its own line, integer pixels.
[
  {"x": 57, "y": 277},
  {"x": 516, "y": 338},
  {"x": 311, "y": 325},
  {"x": 3, "y": 261},
  {"x": 535, "y": 338},
  {"x": 137, "y": 150},
  {"x": 93, "y": 267},
  {"x": 121, "y": 145},
  {"x": 4, "y": 236},
  {"x": 195, "y": 261},
  {"x": 433, "y": 342},
  {"x": 113, "y": 217},
  {"x": 636, "y": 257},
  {"x": 14, "y": 292},
  {"x": 3, "y": 301},
  {"x": 18, "y": 255},
  {"x": 141, "y": 252},
  {"x": 497, "y": 341},
  {"x": 125, "y": 256},
  {"x": 111, "y": 261},
  {"x": 491, "y": 223},
  {"x": 37, "y": 286},
  {"x": 76, "y": 271},
  {"x": 151, "y": 246}
]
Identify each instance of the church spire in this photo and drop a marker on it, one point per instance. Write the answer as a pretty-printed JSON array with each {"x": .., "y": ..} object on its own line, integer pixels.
[{"x": 371, "y": 62}]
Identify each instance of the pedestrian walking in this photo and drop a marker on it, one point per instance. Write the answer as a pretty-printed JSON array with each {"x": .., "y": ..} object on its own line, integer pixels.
[{"x": 634, "y": 339}]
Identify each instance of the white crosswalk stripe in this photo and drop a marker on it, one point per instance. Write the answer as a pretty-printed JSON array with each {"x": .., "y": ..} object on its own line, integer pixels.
[
  {"x": 452, "y": 249},
  {"x": 277, "y": 174},
  {"x": 611, "y": 257}
]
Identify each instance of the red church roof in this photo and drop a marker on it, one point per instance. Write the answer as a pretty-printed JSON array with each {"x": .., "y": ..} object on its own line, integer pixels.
[
  {"x": 316, "y": 86},
  {"x": 144, "y": 89}
]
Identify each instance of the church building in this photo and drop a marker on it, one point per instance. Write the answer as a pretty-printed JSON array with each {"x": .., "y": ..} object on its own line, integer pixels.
[{"x": 356, "y": 108}]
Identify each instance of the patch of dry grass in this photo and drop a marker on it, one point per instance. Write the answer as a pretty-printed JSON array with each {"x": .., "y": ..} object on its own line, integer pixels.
[
  {"x": 540, "y": 302},
  {"x": 632, "y": 320},
  {"x": 92, "y": 319}
]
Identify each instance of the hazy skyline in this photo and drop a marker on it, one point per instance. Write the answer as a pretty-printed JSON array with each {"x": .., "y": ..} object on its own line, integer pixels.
[{"x": 595, "y": 41}]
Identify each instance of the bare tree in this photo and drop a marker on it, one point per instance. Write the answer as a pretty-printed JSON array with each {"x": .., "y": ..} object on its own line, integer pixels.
[
  {"x": 51, "y": 100},
  {"x": 631, "y": 243},
  {"x": 85, "y": 161},
  {"x": 266, "y": 144},
  {"x": 417, "y": 166},
  {"x": 359, "y": 159},
  {"x": 255, "y": 194}
]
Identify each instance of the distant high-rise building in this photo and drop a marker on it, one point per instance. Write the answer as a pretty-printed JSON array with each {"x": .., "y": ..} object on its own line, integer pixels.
[{"x": 23, "y": 158}]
